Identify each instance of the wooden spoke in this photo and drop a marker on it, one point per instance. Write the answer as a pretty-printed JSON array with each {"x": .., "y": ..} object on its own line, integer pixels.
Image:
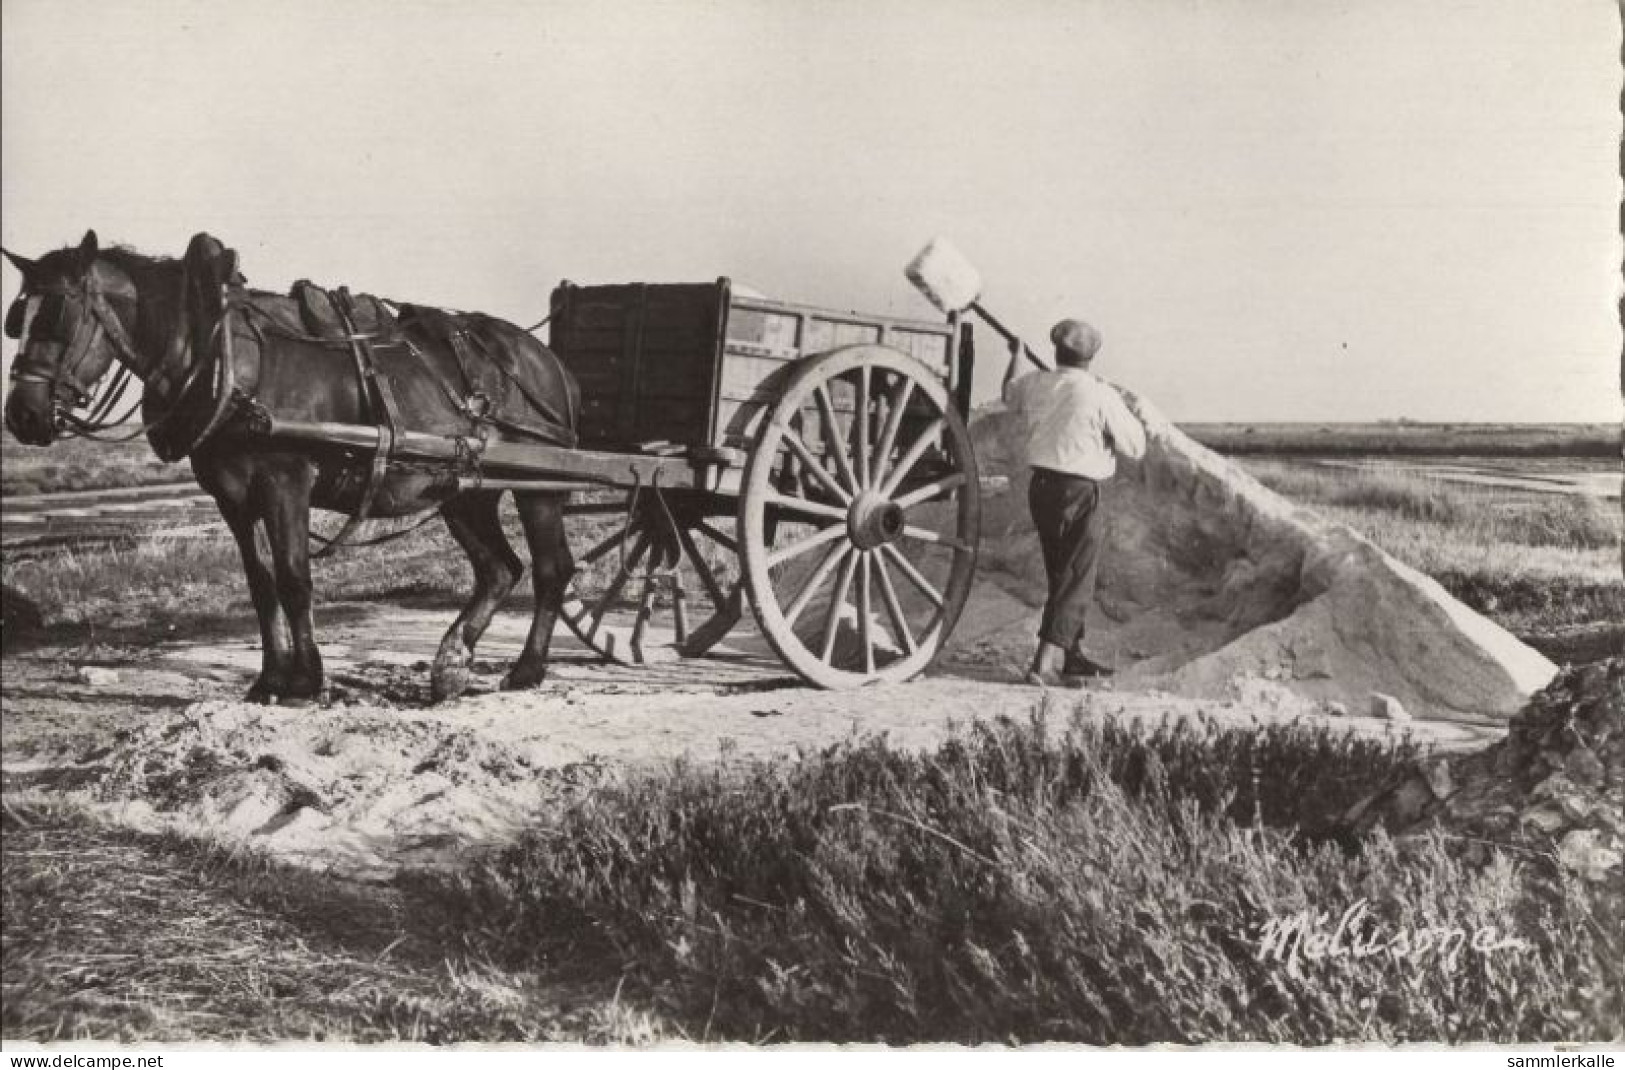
[
  {"x": 888, "y": 434},
  {"x": 832, "y": 437},
  {"x": 930, "y": 490},
  {"x": 860, "y": 431},
  {"x": 832, "y": 618},
  {"x": 805, "y": 507},
  {"x": 594, "y": 508},
  {"x": 602, "y": 548},
  {"x": 820, "y": 574},
  {"x": 865, "y": 627},
  {"x": 811, "y": 464},
  {"x": 708, "y": 580},
  {"x": 912, "y": 457},
  {"x": 679, "y": 606},
  {"x": 796, "y": 549},
  {"x": 622, "y": 574},
  {"x": 894, "y": 608},
  {"x": 914, "y": 574},
  {"x": 712, "y": 631},
  {"x": 717, "y": 537},
  {"x": 645, "y": 610},
  {"x": 939, "y": 539}
]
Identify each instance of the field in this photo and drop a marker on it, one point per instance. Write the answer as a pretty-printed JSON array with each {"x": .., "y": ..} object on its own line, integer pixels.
[
  {"x": 79, "y": 465},
  {"x": 1403, "y": 437},
  {"x": 82, "y": 465},
  {"x": 1047, "y": 876},
  {"x": 1546, "y": 566}
]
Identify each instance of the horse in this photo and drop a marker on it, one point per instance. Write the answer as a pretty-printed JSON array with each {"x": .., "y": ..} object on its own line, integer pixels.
[{"x": 184, "y": 326}]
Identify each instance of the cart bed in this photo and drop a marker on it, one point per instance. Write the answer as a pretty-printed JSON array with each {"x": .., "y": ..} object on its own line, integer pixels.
[{"x": 693, "y": 365}]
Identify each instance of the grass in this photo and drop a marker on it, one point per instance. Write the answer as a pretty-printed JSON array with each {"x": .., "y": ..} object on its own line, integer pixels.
[
  {"x": 1091, "y": 882},
  {"x": 109, "y": 934},
  {"x": 186, "y": 581},
  {"x": 1534, "y": 563},
  {"x": 1107, "y": 887},
  {"x": 1480, "y": 515},
  {"x": 79, "y": 464}
]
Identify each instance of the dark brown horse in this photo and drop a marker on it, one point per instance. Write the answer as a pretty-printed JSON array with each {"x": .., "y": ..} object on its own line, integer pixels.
[{"x": 187, "y": 326}]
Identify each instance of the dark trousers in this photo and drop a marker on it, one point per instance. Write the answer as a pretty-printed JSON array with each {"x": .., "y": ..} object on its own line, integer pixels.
[{"x": 1066, "y": 512}]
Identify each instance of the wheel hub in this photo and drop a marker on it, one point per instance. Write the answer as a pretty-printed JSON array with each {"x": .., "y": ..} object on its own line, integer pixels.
[{"x": 874, "y": 521}]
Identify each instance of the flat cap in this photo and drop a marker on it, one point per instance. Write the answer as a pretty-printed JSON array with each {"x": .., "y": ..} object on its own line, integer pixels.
[{"x": 1077, "y": 337}]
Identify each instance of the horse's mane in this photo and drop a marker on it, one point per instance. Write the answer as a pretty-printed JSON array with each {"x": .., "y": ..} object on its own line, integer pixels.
[
  {"x": 134, "y": 262},
  {"x": 157, "y": 296}
]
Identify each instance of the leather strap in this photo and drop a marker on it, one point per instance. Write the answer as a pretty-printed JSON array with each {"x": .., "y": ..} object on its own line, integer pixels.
[{"x": 371, "y": 384}]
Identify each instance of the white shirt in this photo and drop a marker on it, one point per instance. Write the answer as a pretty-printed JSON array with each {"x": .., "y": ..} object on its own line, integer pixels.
[{"x": 1075, "y": 423}]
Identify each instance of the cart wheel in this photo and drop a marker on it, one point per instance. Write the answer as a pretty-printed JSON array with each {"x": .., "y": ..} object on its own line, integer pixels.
[
  {"x": 858, "y": 526},
  {"x": 654, "y": 579}
]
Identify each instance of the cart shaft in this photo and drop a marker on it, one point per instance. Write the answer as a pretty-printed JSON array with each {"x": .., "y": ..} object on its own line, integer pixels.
[{"x": 540, "y": 460}]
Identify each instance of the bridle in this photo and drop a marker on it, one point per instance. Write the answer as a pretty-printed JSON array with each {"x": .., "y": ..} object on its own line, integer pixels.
[{"x": 97, "y": 318}]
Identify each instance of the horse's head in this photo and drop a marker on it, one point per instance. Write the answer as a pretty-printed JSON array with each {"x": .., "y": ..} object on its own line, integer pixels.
[{"x": 68, "y": 334}]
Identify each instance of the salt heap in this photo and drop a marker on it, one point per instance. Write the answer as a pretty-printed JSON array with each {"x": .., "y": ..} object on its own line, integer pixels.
[{"x": 1214, "y": 586}]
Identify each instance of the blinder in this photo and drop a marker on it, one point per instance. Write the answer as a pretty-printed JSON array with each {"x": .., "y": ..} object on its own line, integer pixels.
[
  {"x": 32, "y": 311},
  {"x": 47, "y": 309},
  {"x": 16, "y": 317}
]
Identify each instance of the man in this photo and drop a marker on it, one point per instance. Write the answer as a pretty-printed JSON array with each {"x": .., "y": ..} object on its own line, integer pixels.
[{"x": 1075, "y": 427}]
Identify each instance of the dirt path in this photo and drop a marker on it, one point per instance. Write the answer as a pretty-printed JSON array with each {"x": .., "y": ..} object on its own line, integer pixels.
[{"x": 153, "y": 737}]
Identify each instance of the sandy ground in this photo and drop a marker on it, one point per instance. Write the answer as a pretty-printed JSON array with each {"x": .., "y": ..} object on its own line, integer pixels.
[{"x": 154, "y": 738}]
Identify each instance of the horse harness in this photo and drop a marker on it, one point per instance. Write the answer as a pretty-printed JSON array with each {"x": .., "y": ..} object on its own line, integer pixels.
[
  {"x": 378, "y": 403},
  {"x": 375, "y": 390}
]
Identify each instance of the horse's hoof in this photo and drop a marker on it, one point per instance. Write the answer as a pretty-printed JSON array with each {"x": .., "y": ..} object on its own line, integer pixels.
[
  {"x": 517, "y": 681},
  {"x": 449, "y": 683},
  {"x": 259, "y": 696},
  {"x": 296, "y": 702}
]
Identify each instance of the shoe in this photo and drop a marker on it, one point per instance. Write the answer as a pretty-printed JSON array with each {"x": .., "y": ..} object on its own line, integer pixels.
[
  {"x": 1037, "y": 678},
  {"x": 1048, "y": 668},
  {"x": 1078, "y": 664}
]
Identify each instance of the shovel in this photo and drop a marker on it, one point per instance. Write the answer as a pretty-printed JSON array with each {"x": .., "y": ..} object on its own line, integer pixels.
[{"x": 953, "y": 284}]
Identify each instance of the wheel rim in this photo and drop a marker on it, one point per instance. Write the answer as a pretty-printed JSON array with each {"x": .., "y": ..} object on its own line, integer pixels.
[
  {"x": 654, "y": 577},
  {"x": 858, "y": 536}
]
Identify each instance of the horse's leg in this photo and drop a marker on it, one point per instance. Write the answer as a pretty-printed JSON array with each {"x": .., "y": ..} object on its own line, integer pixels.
[
  {"x": 231, "y": 482},
  {"x": 276, "y": 657},
  {"x": 284, "y": 500},
  {"x": 550, "y": 565},
  {"x": 477, "y": 527}
]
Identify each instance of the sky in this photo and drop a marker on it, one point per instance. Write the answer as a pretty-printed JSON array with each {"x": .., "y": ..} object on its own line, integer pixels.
[{"x": 1273, "y": 210}]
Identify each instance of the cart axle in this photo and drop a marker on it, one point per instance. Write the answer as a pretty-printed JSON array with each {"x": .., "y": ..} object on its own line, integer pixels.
[{"x": 874, "y": 520}]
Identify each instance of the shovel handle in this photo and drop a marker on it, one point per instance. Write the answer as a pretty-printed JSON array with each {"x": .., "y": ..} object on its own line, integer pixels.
[{"x": 1010, "y": 336}]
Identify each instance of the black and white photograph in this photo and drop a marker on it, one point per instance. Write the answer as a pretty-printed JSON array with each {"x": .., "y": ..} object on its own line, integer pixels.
[{"x": 774, "y": 526}]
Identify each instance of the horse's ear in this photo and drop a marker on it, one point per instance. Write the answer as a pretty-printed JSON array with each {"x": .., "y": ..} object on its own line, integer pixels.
[
  {"x": 88, "y": 249},
  {"x": 21, "y": 263}
]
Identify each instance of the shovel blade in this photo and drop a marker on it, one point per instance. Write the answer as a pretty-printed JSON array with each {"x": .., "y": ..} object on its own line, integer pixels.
[{"x": 944, "y": 276}]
